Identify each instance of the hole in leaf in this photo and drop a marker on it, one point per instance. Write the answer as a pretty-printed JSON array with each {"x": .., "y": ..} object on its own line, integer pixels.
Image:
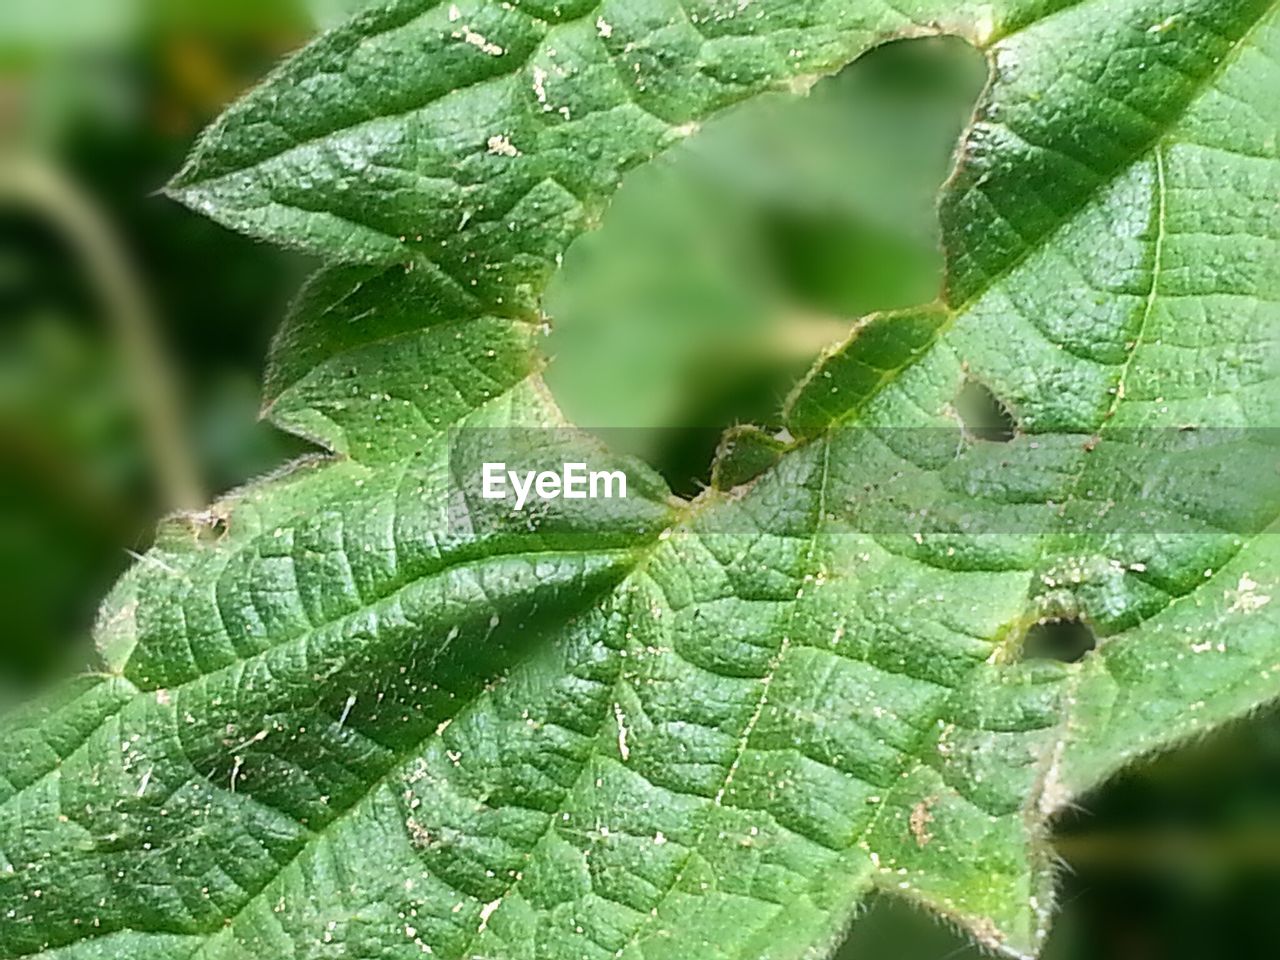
[
  {"x": 1064, "y": 640},
  {"x": 983, "y": 415},
  {"x": 720, "y": 272}
]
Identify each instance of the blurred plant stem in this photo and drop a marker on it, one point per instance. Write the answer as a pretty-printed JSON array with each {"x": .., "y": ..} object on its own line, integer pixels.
[
  {"x": 1162, "y": 851},
  {"x": 30, "y": 181}
]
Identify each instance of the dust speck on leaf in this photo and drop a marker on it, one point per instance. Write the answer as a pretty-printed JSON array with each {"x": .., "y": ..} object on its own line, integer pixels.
[
  {"x": 920, "y": 818},
  {"x": 500, "y": 145}
]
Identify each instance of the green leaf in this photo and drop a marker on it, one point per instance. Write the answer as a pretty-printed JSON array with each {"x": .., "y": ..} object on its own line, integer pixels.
[{"x": 338, "y": 716}]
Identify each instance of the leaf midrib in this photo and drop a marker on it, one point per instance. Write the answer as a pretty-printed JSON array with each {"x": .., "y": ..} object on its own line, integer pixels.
[{"x": 140, "y": 691}]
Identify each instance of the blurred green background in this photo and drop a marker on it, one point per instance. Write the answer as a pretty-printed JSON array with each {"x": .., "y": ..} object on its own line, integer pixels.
[{"x": 133, "y": 335}]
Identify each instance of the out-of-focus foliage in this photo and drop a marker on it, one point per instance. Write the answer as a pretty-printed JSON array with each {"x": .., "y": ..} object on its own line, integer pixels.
[
  {"x": 328, "y": 13},
  {"x": 68, "y": 453},
  {"x": 104, "y": 96}
]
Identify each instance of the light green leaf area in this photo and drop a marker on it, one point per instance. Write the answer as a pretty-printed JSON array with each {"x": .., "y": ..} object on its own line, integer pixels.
[
  {"x": 330, "y": 13},
  {"x": 345, "y": 715}
]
